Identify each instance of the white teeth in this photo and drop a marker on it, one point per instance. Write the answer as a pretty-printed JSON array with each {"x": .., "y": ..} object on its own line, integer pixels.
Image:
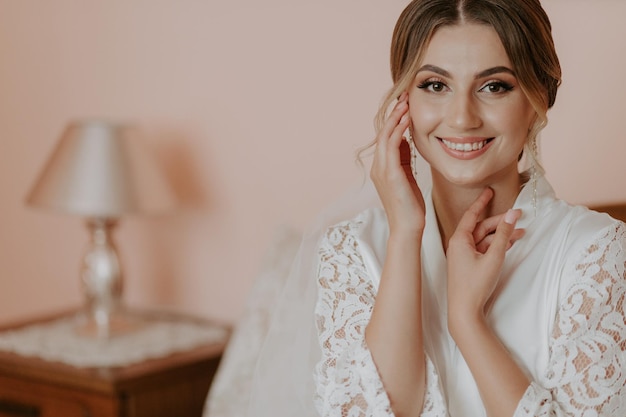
[{"x": 464, "y": 147}]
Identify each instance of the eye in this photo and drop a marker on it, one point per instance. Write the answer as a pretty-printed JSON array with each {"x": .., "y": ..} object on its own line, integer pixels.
[
  {"x": 436, "y": 86},
  {"x": 495, "y": 87},
  {"x": 433, "y": 86}
]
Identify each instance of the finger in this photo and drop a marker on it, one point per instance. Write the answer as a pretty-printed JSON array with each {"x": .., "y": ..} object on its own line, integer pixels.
[
  {"x": 517, "y": 235},
  {"x": 472, "y": 216},
  {"x": 396, "y": 149},
  {"x": 483, "y": 245},
  {"x": 487, "y": 226},
  {"x": 501, "y": 240},
  {"x": 392, "y": 130},
  {"x": 394, "y": 117},
  {"x": 397, "y": 134}
]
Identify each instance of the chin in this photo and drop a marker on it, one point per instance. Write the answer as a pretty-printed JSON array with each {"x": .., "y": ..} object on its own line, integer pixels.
[
  {"x": 464, "y": 179},
  {"x": 468, "y": 182},
  {"x": 476, "y": 174}
]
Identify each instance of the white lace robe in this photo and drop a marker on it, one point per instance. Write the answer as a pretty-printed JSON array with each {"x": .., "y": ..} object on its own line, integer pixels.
[{"x": 560, "y": 310}]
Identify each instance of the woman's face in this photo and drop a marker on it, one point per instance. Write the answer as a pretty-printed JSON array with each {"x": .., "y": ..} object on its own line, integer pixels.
[{"x": 469, "y": 115}]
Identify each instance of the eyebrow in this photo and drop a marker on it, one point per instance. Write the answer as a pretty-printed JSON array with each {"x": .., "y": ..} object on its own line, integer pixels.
[{"x": 482, "y": 74}]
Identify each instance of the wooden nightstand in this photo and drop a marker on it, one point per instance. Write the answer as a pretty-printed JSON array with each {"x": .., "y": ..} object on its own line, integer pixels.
[{"x": 175, "y": 385}]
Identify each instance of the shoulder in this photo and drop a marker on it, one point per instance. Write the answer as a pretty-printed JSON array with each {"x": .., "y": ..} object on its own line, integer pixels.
[
  {"x": 586, "y": 229},
  {"x": 599, "y": 248},
  {"x": 353, "y": 244},
  {"x": 592, "y": 242},
  {"x": 343, "y": 256},
  {"x": 604, "y": 247},
  {"x": 591, "y": 309},
  {"x": 347, "y": 232}
]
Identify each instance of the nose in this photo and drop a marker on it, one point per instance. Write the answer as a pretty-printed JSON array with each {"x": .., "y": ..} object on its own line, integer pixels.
[{"x": 463, "y": 112}]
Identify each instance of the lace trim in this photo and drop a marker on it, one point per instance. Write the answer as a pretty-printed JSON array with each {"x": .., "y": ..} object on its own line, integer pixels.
[
  {"x": 347, "y": 380},
  {"x": 348, "y": 383},
  {"x": 155, "y": 337},
  {"x": 434, "y": 404},
  {"x": 588, "y": 365}
]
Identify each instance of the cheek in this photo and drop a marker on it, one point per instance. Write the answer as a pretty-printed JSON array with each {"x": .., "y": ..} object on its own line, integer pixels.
[
  {"x": 424, "y": 116},
  {"x": 513, "y": 121}
]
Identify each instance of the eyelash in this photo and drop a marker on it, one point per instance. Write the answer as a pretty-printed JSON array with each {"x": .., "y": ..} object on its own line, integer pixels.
[
  {"x": 429, "y": 83},
  {"x": 501, "y": 84}
]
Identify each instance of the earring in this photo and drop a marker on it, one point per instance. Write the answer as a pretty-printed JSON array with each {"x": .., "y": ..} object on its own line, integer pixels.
[
  {"x": 534, "y": 155},
  {"x": 533, "y": 179}
]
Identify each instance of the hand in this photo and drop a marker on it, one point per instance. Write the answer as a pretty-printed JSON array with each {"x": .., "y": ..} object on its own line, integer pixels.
[
  {"x": 392, "y": 175},
  {"x": 475, "y": 256},
  {"x": 484, "y": 233}
]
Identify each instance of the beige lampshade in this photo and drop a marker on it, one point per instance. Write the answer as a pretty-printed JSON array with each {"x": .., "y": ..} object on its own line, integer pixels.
[{"x": 101, "y": 169}]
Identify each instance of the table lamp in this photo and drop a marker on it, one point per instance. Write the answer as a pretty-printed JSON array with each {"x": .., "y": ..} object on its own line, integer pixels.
[{"x": 100, "y": 171}]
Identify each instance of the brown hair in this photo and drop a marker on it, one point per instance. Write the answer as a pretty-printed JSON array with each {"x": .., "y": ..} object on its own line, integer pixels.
[{"x": 523, "y": 28}]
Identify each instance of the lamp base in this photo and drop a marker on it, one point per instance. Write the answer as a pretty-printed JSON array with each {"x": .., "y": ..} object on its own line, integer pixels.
[{"x": 101, "y": 276}]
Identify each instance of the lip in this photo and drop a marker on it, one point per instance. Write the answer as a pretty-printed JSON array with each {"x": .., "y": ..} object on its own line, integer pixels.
[{"x": 465, "y": 155}]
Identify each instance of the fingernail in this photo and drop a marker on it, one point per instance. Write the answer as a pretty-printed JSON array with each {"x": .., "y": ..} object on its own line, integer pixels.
[
  {"x": 404, "y": 118},
  {"x": 510, "y": 217}
]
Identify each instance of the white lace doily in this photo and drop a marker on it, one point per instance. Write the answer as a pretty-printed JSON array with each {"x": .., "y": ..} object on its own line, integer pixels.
[{"x": 58, "y": 341}]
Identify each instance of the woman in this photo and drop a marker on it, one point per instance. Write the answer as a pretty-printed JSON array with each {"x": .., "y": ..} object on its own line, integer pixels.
[{"x": 483, "y": 295}]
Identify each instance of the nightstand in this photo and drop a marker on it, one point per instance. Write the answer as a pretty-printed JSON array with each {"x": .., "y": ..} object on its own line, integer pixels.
[{"x": 174, "y": 384}]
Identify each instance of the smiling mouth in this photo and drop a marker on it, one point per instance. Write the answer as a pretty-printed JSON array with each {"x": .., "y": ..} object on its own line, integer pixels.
[{"x": 465, "y": 147}]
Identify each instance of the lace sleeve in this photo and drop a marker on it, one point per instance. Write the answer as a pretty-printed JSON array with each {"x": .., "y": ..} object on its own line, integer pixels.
[
  {"x": 587, "y": 370},
  {"x": 348, "y": 383},
  {"x": 347, "y": 380}
]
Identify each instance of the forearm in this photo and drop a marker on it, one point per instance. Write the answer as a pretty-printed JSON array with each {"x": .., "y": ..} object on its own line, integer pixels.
[
  {"x": 394, "y": 333},
  {"x": 500, "y": 380}
]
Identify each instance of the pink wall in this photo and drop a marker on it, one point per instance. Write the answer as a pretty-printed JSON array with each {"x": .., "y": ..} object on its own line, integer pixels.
[{"x": 255, "y": 111}]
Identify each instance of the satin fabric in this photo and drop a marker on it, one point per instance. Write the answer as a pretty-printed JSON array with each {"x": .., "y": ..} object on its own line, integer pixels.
[
  {"x": 537, "y": 271},
  {"x": 535, "y": 274}
]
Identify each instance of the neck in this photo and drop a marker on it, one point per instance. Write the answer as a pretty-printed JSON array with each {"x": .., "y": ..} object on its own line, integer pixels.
[{"x": 451, "y": 201}]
